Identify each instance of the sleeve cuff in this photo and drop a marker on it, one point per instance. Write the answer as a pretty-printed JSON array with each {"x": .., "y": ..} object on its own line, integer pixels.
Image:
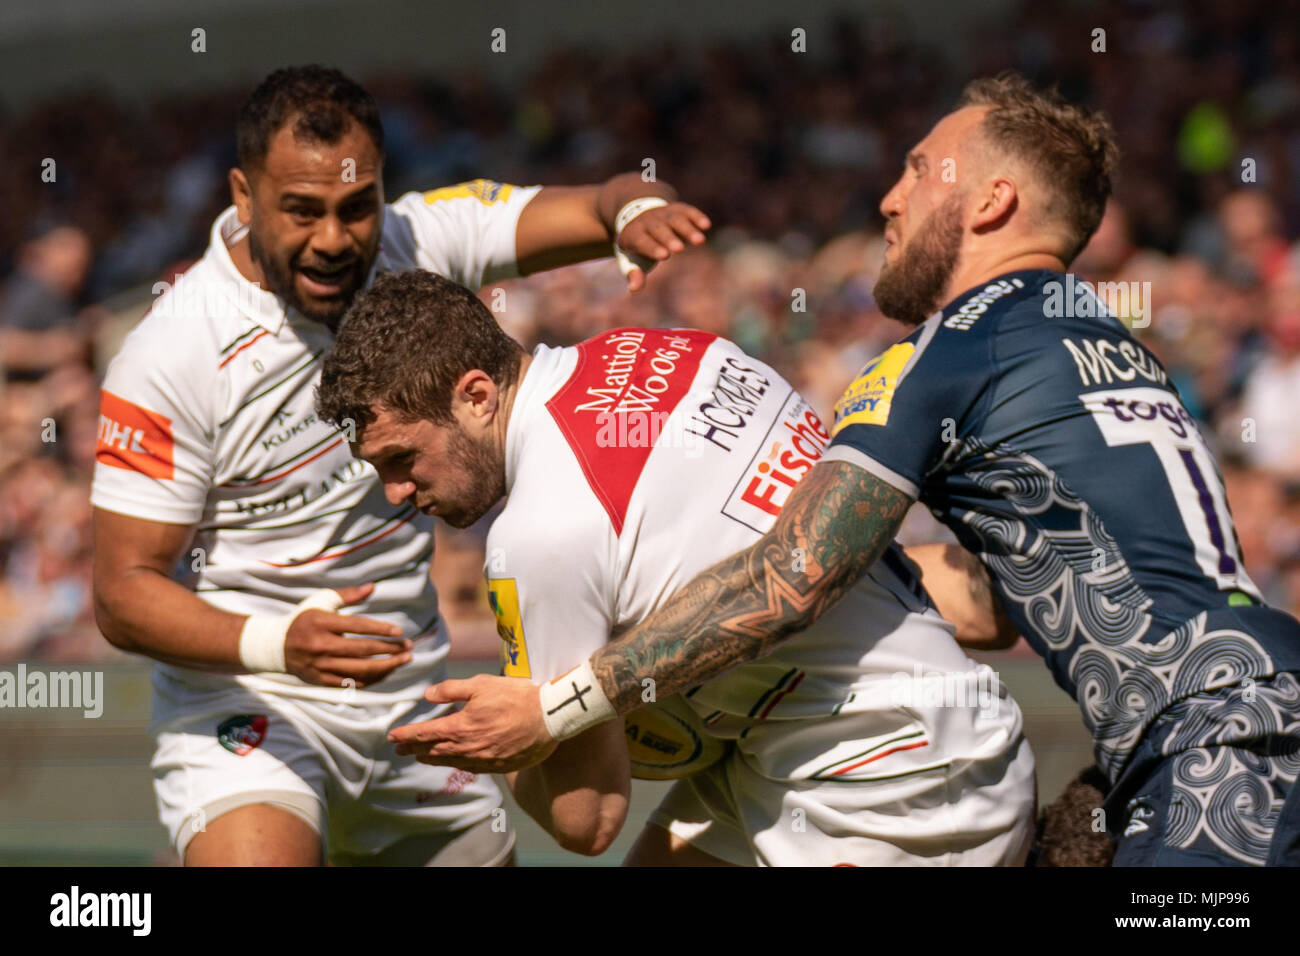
[
  {"x": 851, "y": 455},
  {"x": 502, "y": 262},
  {"x": 153, "y": 511}
]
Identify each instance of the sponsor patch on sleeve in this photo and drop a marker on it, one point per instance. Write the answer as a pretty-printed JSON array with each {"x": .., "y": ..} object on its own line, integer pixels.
[
  {"x": 134, "y": 438},
  {"x": 868, "y": 399},
  {"x": 503, "y": 596},
  {"x": 485, "y": 191},
  {"x": 794, "y": 443}
]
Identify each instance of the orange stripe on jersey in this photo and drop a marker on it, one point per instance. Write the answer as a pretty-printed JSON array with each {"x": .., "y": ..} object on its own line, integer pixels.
[
  {"x": 242, "y": 347},
  {"x": 880, "y": 756},
  {"x": 134, "y": 438},
  {"x": 777, "y": 699},
  {"x": 287, "y": 471},
  {"x": 556, "y": 680},
  {"x": 339, "y": 554}
]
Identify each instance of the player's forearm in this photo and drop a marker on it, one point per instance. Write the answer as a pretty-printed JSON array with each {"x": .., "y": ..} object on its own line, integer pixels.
[
  {"x": 962, "y": 591},
  {"x": 836, "y": 524},
  {"x": 578, "y": 803},
  {"x": 567, "y": 224},
  {"x": 144, "y": 612}
]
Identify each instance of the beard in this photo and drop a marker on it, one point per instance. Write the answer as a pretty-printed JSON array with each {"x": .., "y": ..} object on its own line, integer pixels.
[
  {"x": 912, "y": 288},
  {"x": 484, "y": 483},
  {"x": 279, "y": 276}
]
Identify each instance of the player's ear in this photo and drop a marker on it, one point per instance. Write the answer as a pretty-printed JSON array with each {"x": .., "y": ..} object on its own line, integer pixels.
[
  {"x": 477, "y": 393},
  {"x": 997, "y": 201},
  {"x": 241, "y": 194}
]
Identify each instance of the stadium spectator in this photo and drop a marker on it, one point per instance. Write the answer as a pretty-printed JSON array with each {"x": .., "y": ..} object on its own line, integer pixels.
[{"x": 765, "y": 143}]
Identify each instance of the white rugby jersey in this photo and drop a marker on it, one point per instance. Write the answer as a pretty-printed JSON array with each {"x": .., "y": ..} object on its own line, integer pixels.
[
  {"x": 208, "y": 419},
  {"x": 641, "y": 457}
]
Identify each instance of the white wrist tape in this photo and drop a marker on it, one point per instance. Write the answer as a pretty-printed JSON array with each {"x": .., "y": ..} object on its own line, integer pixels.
[
  {"x": 261, "y": 642},
  {"x": 627, "y": 261},
  {"x": 574, "y": 702}
]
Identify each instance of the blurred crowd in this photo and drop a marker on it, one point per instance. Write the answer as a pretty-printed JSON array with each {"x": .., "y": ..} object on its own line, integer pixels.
[{"x": 788, "y": 153}]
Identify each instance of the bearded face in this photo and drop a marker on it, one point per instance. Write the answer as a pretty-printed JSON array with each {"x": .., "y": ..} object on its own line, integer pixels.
[{"x": 912, "y": 288}]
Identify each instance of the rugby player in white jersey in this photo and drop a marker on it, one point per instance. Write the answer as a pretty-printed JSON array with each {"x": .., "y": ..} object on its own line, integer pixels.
[
  {"x": 631, "y": 462},
  {"x": 222, "y": 503}
]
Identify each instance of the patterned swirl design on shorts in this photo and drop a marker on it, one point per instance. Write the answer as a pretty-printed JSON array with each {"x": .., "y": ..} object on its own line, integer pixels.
[
  {"x": 1066, "y": 575},
  {"x": 1228, "y": 798}
]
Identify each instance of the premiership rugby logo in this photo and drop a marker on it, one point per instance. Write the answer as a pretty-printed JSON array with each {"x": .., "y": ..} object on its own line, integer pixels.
[
  {"x": 243, "y": 733},
  {"x": 486, "y": 191},
  {"x": 867, "y": 401}
]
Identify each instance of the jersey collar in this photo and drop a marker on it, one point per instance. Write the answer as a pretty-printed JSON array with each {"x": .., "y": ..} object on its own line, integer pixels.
[
  {"x": 1019, "y": 285},
  {"x": 260, "y": 305}
]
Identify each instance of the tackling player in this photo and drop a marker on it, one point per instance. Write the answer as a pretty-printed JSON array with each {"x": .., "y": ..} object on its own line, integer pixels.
[
  {"x": 1025, "y": 415},
  {"x": 270, "y": 708},
  {"x": 631, "y": 462}
]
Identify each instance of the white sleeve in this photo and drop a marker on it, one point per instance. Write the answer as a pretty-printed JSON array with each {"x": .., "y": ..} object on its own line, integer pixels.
[
  {"x": 466, "y": 232},
  {"x": 550, "y": 594},
  {"x": 153, "y": 456}
]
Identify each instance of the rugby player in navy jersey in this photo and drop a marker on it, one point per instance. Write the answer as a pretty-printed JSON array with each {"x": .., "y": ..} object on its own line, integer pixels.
[{"x": 1030, "y": 421}]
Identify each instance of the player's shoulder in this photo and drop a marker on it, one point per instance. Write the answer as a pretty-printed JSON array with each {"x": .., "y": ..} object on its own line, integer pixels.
[
  {"x": 189, "y": 320},
  {"x": 551, "y": 521},
  {"x": 471, "y": 194},
  {"x": 990, "y": 327},
  {"x": 592, "y": 417}
]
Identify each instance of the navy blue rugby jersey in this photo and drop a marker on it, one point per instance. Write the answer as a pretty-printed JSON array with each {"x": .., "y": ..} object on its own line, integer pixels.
[{"x": 1054, "y": 446}]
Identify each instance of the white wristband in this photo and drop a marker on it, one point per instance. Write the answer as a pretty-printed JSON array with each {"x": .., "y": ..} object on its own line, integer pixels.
[
  {"x": 574, "y": 702},
  {"x": 627, "y": 261},
  {"x": 261, "y": 642}
]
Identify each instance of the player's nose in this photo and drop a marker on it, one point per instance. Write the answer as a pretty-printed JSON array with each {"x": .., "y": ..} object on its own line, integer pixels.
[
  {"x": 892, "y": 203},
  {"x": 398, "y": 491},
  {"x": 331, "y": 239}
]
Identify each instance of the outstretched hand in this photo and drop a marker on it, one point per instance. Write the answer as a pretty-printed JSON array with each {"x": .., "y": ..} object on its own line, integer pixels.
[
  {"x": 658, "y": 234},
  {"x": 499, "y": 730}
]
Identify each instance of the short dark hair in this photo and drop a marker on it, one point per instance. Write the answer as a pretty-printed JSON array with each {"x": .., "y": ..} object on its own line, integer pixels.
[
  {"x": 324, "y": 101},
  {"x": 1070, "y": 149},
  {"x": 404, "y": 344}
]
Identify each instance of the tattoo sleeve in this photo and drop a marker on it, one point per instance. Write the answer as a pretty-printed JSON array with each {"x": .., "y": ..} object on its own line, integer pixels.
[{"x": 835, "y": 525}]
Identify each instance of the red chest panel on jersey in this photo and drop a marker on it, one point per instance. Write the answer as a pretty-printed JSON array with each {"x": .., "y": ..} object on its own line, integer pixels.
[{"x": 612, "y": 409}]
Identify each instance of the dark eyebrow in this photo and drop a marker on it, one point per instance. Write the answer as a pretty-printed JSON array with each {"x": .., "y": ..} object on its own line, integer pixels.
[
  {"x": 366, "y": 191},
  {"x": 916, "y": 158},
  {"x": 386, "y": 452}
]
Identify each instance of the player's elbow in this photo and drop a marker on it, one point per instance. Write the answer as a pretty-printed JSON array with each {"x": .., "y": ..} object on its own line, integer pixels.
[
  {"x": 106, "y": 601},
  {"x": 986, "y": 632},
  {"x": 589, "y": 826},
  {"x": 592, "y": 840},
  {"x": 1005, "y": 637}
]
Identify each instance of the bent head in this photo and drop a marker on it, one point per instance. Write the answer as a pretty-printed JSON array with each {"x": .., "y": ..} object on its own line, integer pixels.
[
  {"x": 420, "y": 379},
  {"x": 1010, "y": 173},
  {"x": 309, "y": 186}
]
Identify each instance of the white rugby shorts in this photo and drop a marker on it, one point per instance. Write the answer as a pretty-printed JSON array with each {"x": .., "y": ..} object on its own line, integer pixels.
[
  {"x": 941, "y": 786},
  {"x": 330, "y": 764}
]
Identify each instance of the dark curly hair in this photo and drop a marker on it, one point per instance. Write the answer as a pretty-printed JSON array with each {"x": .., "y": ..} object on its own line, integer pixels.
[
  {"x": 404, "y": 344},
  {"x": 322, "y": 102},
  {"x": 1071, "y": 150},
  {"x": 1065, "y": 835}
]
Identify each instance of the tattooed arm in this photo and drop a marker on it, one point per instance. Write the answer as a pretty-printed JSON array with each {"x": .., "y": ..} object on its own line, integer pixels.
[{"x": 842, "y": 518}]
